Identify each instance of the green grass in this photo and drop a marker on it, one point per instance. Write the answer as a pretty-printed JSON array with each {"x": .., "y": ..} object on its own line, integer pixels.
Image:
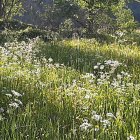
[{"x": 70, "y": 101}]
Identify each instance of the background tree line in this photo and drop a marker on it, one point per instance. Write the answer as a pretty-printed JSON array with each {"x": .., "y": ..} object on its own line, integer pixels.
[{"x": 86, "y": 18}]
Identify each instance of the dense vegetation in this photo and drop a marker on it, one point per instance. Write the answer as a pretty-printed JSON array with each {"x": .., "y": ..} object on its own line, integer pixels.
[
  {"x": 42, "y": 97},
  {"x": 70, "y": 82}
]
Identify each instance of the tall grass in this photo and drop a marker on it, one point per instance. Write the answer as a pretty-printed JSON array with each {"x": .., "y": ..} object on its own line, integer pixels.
[{"x": 69, "y": 90}]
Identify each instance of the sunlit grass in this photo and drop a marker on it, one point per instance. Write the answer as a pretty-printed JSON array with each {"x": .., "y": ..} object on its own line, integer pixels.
[{"x": 86, "y": 91}]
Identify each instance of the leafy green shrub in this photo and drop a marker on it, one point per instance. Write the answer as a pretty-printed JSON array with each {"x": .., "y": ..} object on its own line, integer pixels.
[
  {"x": 11, "y": 30},
  {"x": 13, "y": 25},
  {"x": 8, "y": 36},
  {"x": 127, "y": 38},
  {"x": 26, "y": 34},
  {"x": 104, "y": 38},
  {"x": 66, "y": 28},
  {"x": 134, "y": 38},
  {"x": 30, "y": 33}
]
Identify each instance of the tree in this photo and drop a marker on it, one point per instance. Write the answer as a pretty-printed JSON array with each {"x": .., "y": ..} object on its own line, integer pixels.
[
  {"x": 107, "y": 13},
  {"x": 98, "y": 11},
  {"x": 1, "y": 3},
  {"x": 59, "y": 11},
  {"x": 10, "y": 8},
  {"x": 124, "y": 17}
]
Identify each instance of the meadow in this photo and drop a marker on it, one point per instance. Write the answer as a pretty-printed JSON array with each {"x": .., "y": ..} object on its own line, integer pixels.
[{"x": 74, "y": 89}]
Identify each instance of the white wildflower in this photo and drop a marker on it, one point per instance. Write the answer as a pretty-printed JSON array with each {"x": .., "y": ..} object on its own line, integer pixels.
[
  {"x": 16, "y": 93},
  {"x": 120, "y": 34},
  {"x": 62, "y": 65},
  {"x": 87, "y": 96},
  {"x": 102, "y": 76},
  {"x": 74, "y": 131},
  {"x": 9, "y": 95},
  {"x": 97, "y": 117},
  {"x": 95, "y": 67},
  {"x": 115, "y": 64},
  {"x": 108, "y": 62},
  {"x": 91, "y": 81},
  {"x": 131, "y": 138},
  {"x": 106, "y": 123},
  {"x": 71, "y": 94},
  {"x": 85, "y": 125},
  {"x": 74, "y": 81},
  {"x": 18, "y": 101},
  {"x": 112, "y": 63},
  {"x": 85, "y": 108},
  {"x": 1, "y": 110},
  {"x": 57, "y": 65},
  {"x": 98, "y": 64},
  {"x": 14, "y": 105},
  {"x": 88, "y": 75},
  {"x": 110, "y": 115},
  {"x": 119, "y": 76},
  {"x": 50, "y": 60},
  {"x": 129, "y": 84},
  {"x": 96, "y": 129},
  {"x": 95, "y": 94},
  {"x": 102, "y": 67},
  {"x": 115, "y": 84}
]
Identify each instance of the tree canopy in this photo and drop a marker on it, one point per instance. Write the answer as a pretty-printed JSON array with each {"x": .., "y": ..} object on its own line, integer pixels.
[{"x": 10, "y": 8}]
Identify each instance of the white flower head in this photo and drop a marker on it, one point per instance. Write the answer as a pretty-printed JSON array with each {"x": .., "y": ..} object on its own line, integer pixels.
[
  {"x": 97, "y": 117},
  {"x": 102, "y": 67},
  {"x": 14, "y": 105},
  {"x": 16, "y": 93},
  {"x": 9, "y": 95},
  {"x": 98, "y": 64},
  {"x": 106, "y": 123},
  {"x": 91, "y": 81},
  {"x": 87, "y": 96},
  {"x": 85, "y": 125},
  {"x": 110, "y": 115},
  {"x": 50, "y": 60},
  {"x": 57, "y": 65},
  {"x": 96, "y": 67},
  {"x": 18, "y": 101},
  {"x": 131, "y": 138},
  {"x": 113, "y": 63},
  {"x": 96, "y": 129},
  {"x": 1, "y": 110},
  {"x": 119, "y": 76}
]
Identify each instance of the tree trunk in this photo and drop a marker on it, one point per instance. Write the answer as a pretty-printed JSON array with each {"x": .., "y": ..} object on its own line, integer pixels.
[{"x": 1, "y": 11}]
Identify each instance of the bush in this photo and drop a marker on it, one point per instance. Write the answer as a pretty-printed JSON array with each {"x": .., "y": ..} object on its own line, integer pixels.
[
  {"x": 30, "y": 33},
  {"x": 8, "y": 35},
  {"x": 13, "y": 25}
]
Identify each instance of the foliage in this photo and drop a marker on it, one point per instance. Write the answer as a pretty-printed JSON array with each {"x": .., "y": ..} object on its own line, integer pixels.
[
  {"x": 79, "y": 89},
  {"x": 12, "y": 25},
  {"x": 66, "y": 28},
  {"x": 13, "y": 29},
  {"x": 124, "y": 17},
  {"x": 10, "y": 8}
]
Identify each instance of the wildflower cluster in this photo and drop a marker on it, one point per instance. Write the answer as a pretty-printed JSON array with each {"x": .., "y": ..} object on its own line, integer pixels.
[
  {"x": 63, "y": 103},
  {"x": 10, "y": 100}
]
